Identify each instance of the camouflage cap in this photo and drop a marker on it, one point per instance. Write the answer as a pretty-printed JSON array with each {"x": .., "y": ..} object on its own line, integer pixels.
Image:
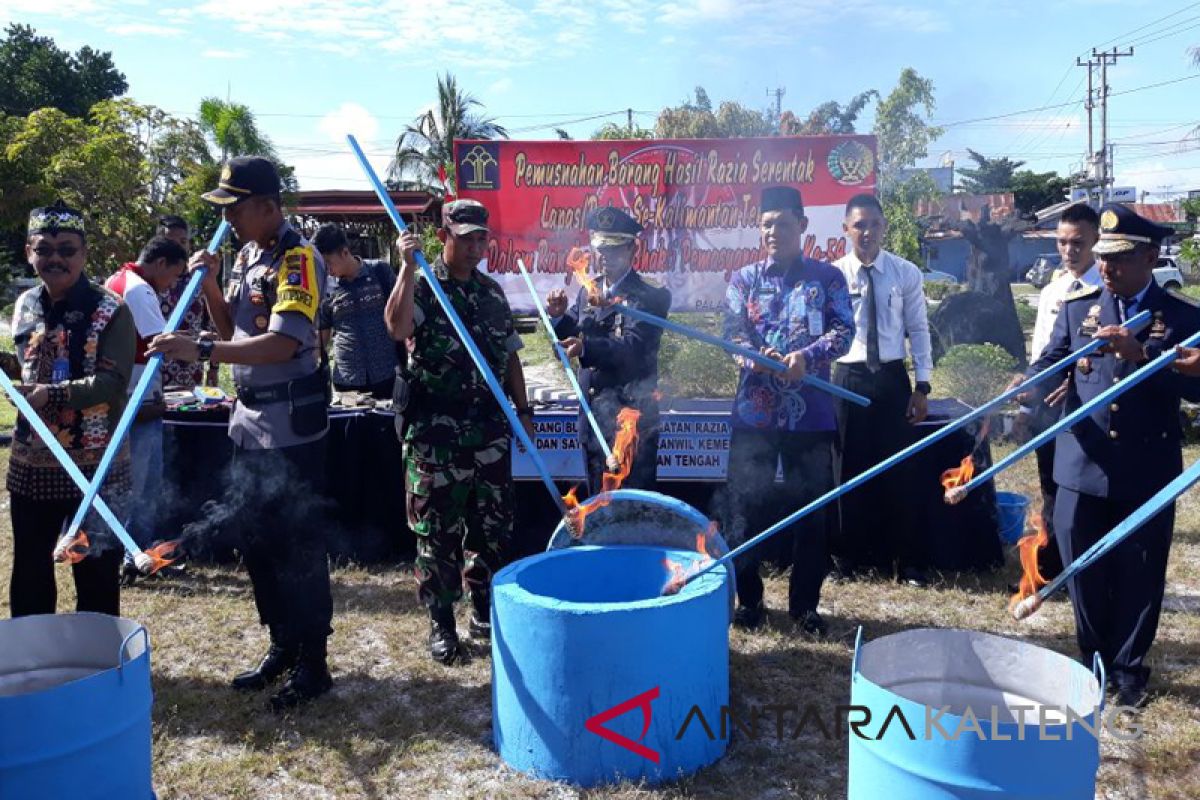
[{"x": 461, "y": 217}]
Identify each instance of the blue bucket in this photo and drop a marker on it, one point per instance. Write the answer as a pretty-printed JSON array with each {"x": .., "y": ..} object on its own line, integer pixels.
[
  {"x": 594, "y": 670},
  {"x": 1010, "y": 514},
  {"x": 75, "y": 704},
  {"x": 1010, "y": 720}
]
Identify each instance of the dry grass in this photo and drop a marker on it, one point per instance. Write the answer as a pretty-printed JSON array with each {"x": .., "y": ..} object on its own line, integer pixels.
[{"x": 398, "y": 725}]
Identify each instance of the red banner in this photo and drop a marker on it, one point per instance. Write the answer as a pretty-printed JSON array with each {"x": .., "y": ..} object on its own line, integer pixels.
[{"x": 697, "y": 199}]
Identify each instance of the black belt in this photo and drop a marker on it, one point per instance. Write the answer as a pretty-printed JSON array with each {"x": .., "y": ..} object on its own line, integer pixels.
[{"x": 300, "y": 392}]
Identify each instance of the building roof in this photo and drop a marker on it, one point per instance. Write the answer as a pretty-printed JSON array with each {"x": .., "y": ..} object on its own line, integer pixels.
[
  {"x": 344, "y": 203},
  {"x": 958, "y": 207}
]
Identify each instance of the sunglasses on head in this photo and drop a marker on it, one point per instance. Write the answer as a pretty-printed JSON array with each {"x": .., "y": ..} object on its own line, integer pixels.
[{"x": 63, "y": 250}]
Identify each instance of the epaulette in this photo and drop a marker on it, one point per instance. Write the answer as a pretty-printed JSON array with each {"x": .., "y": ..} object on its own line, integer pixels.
[
  {"x": 653, "y": 284},
  {"x": 1083, "y": 291},
  {"x": 1184, "y": 298}
]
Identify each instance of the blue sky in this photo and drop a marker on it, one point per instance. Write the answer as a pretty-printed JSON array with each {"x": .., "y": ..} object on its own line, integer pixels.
[{"x": 313, "y": 69}]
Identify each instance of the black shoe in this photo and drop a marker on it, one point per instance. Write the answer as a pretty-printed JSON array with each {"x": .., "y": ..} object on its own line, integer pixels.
[
  {"x": 308, "y": 681},
  {"x": 480, "y": 625},
  {"x": 912, "y": 576},
  {"x": 275, "y": 664},
  {"x": 811, "y": 623},
  {"x": 480, "y": 629},
  {"x": 129, "y": 574},
  {"x": 750, "y": 617},
  {"x": 1132, "y": 696},
  {"x": 443, "y": 636}
]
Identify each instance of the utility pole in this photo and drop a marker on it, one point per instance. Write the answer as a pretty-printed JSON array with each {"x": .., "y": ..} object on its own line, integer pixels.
[
  {"x": 778, "y": 93},
  {"x": 1106, "y": 59},
  {"x": 629, "y": 118},
  {"x": 1089, "y": 105}
]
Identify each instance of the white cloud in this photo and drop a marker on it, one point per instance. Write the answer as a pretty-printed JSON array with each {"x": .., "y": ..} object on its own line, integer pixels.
[
  {"x": 223, "y": 54},
  {"x": 349, "y": 118},
  {"x": 143, "y": 28},
  {"x": 501, "y": 86}
]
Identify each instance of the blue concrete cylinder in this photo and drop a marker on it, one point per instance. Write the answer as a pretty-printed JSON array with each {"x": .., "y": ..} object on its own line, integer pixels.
[
  {"x": 584, "y": 630},
  {"x": 953, "y": 677},
  {"x": 75, "y": 704}
]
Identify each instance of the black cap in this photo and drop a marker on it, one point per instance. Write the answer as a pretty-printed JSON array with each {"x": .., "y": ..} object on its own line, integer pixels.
[
  {"x": 55, "y": 219},
  {"x": 612, "y": 227},
  {"x": 779, "y": 198},
  {"x": 1123, "y": 229},
  {"x": 243, "y": 177},
  {"x": 461, "y": 217}
]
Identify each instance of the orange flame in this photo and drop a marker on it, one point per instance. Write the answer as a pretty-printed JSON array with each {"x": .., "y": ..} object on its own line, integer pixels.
[
  {"x": 78, "y": 549},
  {"x": 623, "y": 449},
  {"x": 960, "y": 475},
  {"x": 1028, "y": 546},
  {"x": 579, "y": 262},
  {"x": 678, "y": 576},
  {"x": 162, "y": 555}
]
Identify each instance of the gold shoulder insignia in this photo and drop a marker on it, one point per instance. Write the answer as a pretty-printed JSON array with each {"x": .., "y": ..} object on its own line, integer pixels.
[
  {"x": 653, "y": 284},
  {"x": 1085, "y": 291},
  {"x": 1184, "y": 298}
]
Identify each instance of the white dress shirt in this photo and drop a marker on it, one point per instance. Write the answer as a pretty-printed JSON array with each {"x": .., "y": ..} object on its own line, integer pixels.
[
  {"x": 899, "y": 307},
  {"x": 1051, "y": 301}
]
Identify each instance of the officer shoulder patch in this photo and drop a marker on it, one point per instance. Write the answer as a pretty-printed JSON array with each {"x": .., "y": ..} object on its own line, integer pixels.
[
  {"x": 1183, "y": 298},
  {"x": 297, "y": 283},
  {"x": 1085, "y": 291}
]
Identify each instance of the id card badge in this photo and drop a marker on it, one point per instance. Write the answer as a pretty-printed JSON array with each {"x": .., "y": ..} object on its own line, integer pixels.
[{"x": 816, "y": 323}]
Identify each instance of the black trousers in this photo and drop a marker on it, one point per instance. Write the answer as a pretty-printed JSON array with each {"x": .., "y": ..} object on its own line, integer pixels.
[
  {"x": 875, "y": 529},
  {"x": 1049, "y": 560},
  {"x": 747, "y": 505},
  {"x": 280, "y": 526},
  {"x": 605, "y": 406},
  {"x": 36, "y": 526},
  {"x": 1118, "y": 599}
]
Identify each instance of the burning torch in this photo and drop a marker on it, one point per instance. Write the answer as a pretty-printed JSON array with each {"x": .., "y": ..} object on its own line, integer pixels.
[{"x": 145, "y": 563}]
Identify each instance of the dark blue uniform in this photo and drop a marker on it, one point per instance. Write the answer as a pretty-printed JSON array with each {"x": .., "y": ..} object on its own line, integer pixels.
[
  {"x": 619, "y": 368},
  {"x": 1111, "y": 463}
]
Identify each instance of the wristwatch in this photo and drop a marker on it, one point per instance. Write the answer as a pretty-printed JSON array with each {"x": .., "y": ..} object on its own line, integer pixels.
[
  {"x": 923, "y": 387},
  {"x": 204, "y": 348}
]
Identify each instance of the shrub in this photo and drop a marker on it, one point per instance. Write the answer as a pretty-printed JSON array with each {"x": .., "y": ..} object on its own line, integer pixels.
[
  {"x": 940, "y": 290},
  {"x": 974, "y": 373}
]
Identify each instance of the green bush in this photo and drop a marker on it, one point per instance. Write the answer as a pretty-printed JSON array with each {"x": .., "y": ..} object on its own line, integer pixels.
[
  {"x": 940, "y": 290},
  {"x": 1026, "y": 314},
  {"x": 974, "y": 373}
]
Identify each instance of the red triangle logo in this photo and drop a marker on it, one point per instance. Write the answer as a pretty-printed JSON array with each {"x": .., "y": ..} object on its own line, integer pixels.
[{"x": 595, "y": 724}]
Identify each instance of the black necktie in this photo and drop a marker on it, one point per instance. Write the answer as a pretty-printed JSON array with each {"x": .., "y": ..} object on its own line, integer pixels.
[{"x": 873, "y": 361}]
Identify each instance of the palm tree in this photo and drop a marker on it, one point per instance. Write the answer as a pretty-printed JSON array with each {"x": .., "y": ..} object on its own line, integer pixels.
[
  {"x": 232, "y": 128},
  {"x": 428, "y": 142}
]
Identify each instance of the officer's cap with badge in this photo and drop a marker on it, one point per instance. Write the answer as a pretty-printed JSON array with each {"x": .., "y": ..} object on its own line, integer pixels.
[
  {"x": 245, "y": 177},
  {"x": 56, "y": 219},
  {"x": 461, "y": 217},
  {"x": 781, "y": 198},
  {"x": 611, "y": 227},
  {"x": 1122, "y": 229}
]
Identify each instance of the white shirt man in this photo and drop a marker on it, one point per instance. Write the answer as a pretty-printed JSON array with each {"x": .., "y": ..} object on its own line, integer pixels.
[{"x": 1051, "y": 301}]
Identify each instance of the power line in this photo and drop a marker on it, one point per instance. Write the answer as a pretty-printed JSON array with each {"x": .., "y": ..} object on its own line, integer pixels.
[{"x": 1120, "y": 36}]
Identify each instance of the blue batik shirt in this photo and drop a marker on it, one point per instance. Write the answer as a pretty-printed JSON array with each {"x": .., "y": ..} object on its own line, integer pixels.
[{"x": 804, "y": 306}]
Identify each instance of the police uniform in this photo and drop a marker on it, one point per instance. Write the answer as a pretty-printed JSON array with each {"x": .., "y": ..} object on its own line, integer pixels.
[
  {"x": 1112, "y": 462},
  {"x": 278, "y": 429},
  {"x": 458, "y": 464},
  {"x": 619, "y": 362}
]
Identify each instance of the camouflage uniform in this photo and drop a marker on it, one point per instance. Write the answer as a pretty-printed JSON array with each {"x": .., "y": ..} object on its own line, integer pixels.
[{"x": 458, "y": 473}]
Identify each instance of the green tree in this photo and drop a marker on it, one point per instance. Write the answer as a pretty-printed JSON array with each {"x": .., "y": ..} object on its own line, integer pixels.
[
  {"x": 1036, "y": 190},
  {"x": 989, "y": 176},
  {"x": 233, "y": 130},
  {"x": 611, "y": 130},
  {"x": 427, "y": 143},
  {"x": 903, "y": 132},
  {"x": 38, "y": 74},
  {"x": 695, "y": 119},
  {"x": 828, "y": 118},
  {"x": 905, "y": 228}
]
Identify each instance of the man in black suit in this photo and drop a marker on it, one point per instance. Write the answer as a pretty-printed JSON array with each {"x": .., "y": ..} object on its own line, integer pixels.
[
  {"x": 1116, "y": 459},
  {"x": 618, "y": 356}
]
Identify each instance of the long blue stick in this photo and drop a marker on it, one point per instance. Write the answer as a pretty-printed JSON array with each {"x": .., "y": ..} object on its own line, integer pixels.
[
  {"x": 958, "y": 493},
  {"x": 1124, "y": 530},
  {"x": 565, "y": 361},
  {"x": 56, "y": 449},
  {"x": 140, "y": 390},
  {"x": 1134, "y": 323},
  {"x": 739, "y": 350},
  {"x": 459, "y": 328}
]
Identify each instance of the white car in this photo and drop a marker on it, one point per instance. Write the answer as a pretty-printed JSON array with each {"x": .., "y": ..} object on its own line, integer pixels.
[
  {"x": 1168, "y": 274},
  {"x": 936, "y": 276}
]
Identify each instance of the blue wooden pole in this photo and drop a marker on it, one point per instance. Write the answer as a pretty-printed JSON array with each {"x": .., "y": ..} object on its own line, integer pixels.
[
  {"x": 140, "y": 390},
  {"x": 1123, "y": 531},
  {"x": 956, "y": 494},
  {"x": 566, "y": 362},
  {"x": 1134, "y": 323},
  {"x": 739, "y": 350},
  {"x": 480, "y": 363},
  {"x": 64, "y": 459}
]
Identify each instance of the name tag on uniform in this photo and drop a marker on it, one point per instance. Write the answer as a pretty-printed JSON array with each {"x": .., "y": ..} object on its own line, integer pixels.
[{"x": 816, "y": 323}]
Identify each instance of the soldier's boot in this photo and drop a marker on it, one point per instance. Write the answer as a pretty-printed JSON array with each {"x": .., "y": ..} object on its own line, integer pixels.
[
  {"x": 279, "y": 659},
  {"x": 443, "y": 635},
  {"x": 308, "y": 680},
  {"x": 480, "y": 625}
]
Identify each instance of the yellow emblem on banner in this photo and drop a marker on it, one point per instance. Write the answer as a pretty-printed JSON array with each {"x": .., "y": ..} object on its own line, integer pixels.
[{"x": 297, "y": 283}]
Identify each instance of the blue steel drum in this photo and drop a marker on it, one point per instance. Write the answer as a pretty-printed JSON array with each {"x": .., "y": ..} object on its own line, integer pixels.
[
  {"x": 582, "y": 630},
  {"x": 953, "y": 677},
  {"x": 75, "y": 704}
]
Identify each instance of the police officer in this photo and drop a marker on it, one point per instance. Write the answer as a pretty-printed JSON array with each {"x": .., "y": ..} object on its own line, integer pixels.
[
  {"x": 458, "y": 464},
  {"x": 618, "y": 355},
  {"x": 266, "y": 321},
  {"x": 1112, "y": 462}
]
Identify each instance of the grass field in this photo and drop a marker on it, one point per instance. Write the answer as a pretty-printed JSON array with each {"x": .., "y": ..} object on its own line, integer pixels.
[{"x": 398, "y": 725}]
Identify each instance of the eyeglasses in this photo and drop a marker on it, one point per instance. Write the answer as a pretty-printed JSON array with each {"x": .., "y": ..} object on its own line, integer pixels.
[{"x": 63, "y": 250}]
